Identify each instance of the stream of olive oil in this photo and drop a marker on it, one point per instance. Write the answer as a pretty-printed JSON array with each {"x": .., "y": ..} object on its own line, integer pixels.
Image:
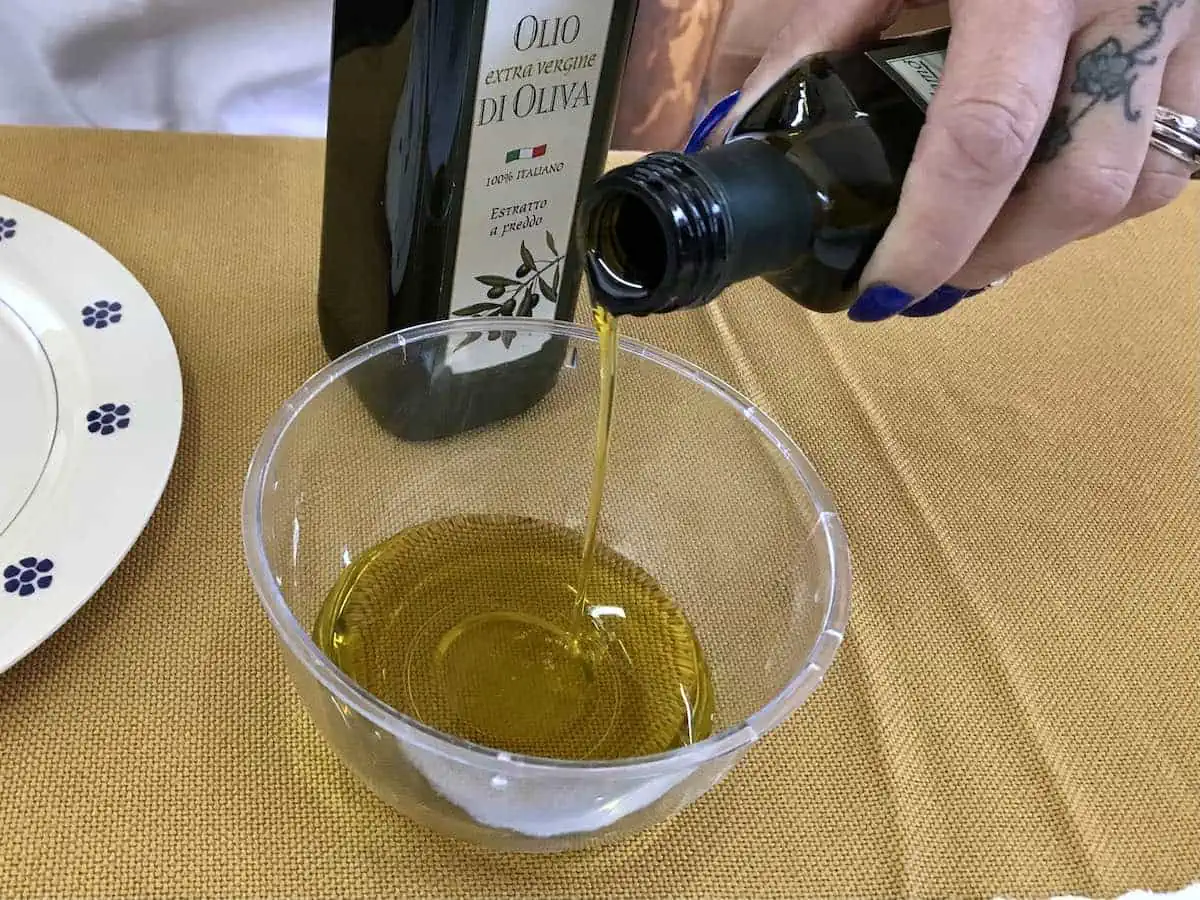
[
  {"x": 523, "y": 635},
  {"x": 606, "y": 331}
]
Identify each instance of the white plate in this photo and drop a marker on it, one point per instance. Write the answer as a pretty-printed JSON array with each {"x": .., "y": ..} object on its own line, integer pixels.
[{"x": 91, "y": 402}]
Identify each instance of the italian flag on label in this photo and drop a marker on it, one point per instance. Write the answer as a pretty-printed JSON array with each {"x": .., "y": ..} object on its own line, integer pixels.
[{"x": 525, "y": 153}]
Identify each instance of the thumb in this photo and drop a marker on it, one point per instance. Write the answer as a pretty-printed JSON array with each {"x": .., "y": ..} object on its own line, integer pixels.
[{"x": 814, "y": 26}]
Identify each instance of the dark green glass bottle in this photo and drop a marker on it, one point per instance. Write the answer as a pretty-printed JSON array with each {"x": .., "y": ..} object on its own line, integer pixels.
[
  {"x": 800, "y": 191},
  {"x": 459, "y": 135}
]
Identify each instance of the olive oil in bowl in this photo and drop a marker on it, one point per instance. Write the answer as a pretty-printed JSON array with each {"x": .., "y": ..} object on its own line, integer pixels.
[{"x": 473, "y": 626}]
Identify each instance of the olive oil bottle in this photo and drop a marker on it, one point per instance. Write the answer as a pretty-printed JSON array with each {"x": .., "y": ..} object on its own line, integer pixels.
[
  {"x": 459, "y": 135},
  {"x": 799, "y": 191}
]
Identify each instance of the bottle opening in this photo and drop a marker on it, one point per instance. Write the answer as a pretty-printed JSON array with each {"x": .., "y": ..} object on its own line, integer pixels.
[
  {"x": 629, "y": 256},
  {"x": 656, "y": 235}
]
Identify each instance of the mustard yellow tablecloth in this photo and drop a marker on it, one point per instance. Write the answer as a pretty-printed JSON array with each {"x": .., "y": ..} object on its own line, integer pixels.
[{"x": 1016, "y": 710}]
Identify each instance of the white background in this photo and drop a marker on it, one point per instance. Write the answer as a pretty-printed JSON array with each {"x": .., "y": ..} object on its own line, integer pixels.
[{"x": 240, "y": 66}]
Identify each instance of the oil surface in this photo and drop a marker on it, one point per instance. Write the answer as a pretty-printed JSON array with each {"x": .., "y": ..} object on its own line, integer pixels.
[{"x": 473, "y": 626}]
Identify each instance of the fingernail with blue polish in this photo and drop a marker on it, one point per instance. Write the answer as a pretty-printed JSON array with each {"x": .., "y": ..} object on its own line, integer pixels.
[
  {"x": 711, "y": 120},
  {"x": 879, "y": 302},
  {"x": 944, "y": 298}
]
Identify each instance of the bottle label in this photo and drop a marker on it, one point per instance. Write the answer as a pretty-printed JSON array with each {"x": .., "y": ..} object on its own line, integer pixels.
[
  {"x": 539, "y": 70},
  {"x": 917, "y": 73}
]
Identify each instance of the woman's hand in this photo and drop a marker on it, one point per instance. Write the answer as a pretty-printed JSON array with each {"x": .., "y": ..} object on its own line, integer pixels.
[{"x": 1039, "y": 134}]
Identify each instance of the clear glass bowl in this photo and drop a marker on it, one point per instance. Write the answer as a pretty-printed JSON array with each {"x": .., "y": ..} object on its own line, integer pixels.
[{"x": 704, "y": 492}]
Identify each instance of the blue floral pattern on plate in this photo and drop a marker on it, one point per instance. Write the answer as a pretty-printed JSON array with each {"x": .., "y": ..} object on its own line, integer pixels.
[
  {"x": 108, "y": 417},
  {"x": 121, "y": 394},
  {"x": 28, "y": 575},
  {"x": 101, "y": 314}
]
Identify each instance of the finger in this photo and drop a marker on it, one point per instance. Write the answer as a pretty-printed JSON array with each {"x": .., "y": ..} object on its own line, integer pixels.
[
  {"x": 816, "y": 26},
  {"x": 1163, "y": 177},
  {"x": 1094, "y": 149},
  {"x": 1002, "y": 71}
]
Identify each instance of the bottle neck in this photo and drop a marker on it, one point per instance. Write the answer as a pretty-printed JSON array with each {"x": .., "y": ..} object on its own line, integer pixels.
[
  {"x": 656, "y": 237},
  {"x": 671, "y": 231}
]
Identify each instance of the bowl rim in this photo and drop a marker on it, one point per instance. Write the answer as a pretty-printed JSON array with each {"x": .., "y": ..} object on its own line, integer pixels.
[{"x": 298, "y": 642}]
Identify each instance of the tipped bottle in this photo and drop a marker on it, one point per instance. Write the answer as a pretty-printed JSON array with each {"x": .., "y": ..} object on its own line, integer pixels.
[{"x": 800, "y": 191}]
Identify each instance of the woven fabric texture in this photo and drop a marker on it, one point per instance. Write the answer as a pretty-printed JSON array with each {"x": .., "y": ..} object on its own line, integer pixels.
[{"x": 1016, "y": 709}]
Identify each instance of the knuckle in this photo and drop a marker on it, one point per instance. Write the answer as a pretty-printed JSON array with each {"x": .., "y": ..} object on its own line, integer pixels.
[
  {"x": 1093, "y": 194},
  {"x": 993, "y": 136},
  {"x": 1051, "y": 13},
  {"x": 1155, "y": 190}
]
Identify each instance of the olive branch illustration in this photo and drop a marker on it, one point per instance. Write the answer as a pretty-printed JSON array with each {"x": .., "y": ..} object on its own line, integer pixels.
[{"x": 534, "y": 281}]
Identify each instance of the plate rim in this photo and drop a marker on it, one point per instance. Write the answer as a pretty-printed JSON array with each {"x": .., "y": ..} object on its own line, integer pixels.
[{"x": 148, "y": 366}]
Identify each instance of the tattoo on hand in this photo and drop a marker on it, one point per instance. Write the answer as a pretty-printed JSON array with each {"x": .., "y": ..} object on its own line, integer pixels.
[{"x": 1107, "y": 74}]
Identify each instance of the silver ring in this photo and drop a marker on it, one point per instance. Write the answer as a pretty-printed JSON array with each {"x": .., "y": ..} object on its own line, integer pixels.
[{"x": 1177, "y": 135}]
